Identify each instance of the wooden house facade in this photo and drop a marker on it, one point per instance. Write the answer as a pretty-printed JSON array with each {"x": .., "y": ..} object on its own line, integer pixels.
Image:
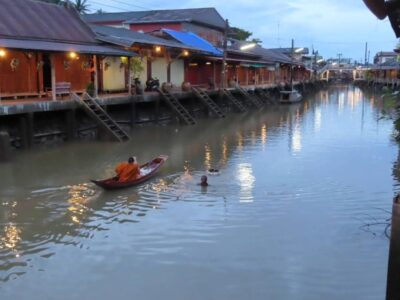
[
  {"x": 159, "y": 58},
  {"x": 47, "y": 52}
]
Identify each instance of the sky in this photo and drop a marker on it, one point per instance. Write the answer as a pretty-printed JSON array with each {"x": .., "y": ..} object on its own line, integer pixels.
[{"x": 329, "y": 26}]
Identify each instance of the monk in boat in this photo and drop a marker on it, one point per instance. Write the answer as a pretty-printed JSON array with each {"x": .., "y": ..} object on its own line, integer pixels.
[{"x": 128, "y": 171}]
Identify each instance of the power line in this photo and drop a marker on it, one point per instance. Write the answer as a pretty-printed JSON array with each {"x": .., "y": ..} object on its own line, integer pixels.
[
  {"x": 119, "y": 7},
  {"x": 129, "y": 4},
  {"x": 110, "y": 6}
]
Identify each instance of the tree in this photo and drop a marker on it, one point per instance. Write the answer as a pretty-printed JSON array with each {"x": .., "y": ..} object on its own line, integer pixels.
[
  {"x": 239, "y": 34},
  {"x": 242, "y": 35},
  {"x": 82, "y": 6},
  {"x": 256, "y": 41}
]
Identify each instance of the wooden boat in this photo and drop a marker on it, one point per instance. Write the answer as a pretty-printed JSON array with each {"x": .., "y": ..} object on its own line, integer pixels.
[
  {"x": 292, "y": 96},
  {"x": 147, "y": 171}
]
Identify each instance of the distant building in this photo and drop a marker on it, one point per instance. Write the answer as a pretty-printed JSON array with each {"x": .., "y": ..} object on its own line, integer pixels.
[
  {"x": 296, "y": 53},
  {"x": 383, "y": 57}
]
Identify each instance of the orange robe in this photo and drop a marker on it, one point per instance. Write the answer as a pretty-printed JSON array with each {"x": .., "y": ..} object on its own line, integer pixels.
[{"x": 127, "y": 172}]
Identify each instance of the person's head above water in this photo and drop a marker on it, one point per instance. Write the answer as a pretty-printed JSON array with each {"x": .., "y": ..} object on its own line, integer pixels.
[
  {"x": 131, "y": 159},
  {"x": 203, "y": 181}
]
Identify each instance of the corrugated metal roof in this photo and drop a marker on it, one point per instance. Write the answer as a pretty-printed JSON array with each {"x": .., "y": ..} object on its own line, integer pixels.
[
  {"x": 62, "y": 47},
  {"x": 288, "y": 51},
  {"x": 127, "y": 38},
  {"x": 26, "y": 19},
  {"x": 113, "y": 17},
  {"x": 266, "y": 54},
  {"x": 193, "y": 40},
  {"x": 207, "y": 15}
]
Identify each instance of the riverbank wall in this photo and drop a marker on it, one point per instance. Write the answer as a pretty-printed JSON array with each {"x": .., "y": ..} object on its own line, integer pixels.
[{"x": 31, "y": 123}]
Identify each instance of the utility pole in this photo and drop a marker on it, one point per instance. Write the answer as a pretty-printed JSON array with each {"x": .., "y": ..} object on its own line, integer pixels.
[
  {"x": 225, "y": 46},
  {"x": 366, "y": 51},
  {"x": 340, "y": 56},
  {"x": 291, "y": 67},
  {"x": 315, "y": 64}
]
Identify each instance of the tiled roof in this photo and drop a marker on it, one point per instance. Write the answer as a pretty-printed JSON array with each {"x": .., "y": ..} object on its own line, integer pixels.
[
  {"x": 207, "y": 16},
  {"x": 127, "y": 38},
  {"x": 32, "y": 20}
]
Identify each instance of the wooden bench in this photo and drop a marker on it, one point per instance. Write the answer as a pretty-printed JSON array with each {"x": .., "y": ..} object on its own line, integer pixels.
[{"x": 62, "y": 88}]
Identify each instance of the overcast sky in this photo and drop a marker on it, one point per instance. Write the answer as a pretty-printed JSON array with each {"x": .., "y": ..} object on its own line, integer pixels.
[{"x": 330, "y": 26}]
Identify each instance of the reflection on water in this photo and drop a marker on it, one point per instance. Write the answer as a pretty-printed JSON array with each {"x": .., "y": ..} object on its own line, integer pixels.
[
  {"x": 305, "y": 199},
  {"x": 246, "y": 181},
  {"x": 11, "y": 238}
]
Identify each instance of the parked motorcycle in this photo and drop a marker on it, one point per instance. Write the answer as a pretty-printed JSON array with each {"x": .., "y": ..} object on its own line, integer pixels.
[{"x": 152, "y": 84}]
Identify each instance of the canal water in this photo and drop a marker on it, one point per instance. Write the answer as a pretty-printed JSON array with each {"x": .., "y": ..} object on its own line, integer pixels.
[{"x": 287, "y": 218}]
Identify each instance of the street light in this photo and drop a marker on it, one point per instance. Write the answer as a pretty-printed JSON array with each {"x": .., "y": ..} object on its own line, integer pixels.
[
  {"x": 248, "y": 46},
  {"x": 73, "y": 55}
]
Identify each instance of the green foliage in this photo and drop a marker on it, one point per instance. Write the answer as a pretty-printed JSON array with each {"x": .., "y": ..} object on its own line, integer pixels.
[
  {"x": 82, "y": 6},
  {"x": 256, "y": 41},
  {"x": 137, "y": 66},
  {"x": 391, "y": 108},
  {"x": 239, "y": 34},
  {"x": 242, "y": 35}
]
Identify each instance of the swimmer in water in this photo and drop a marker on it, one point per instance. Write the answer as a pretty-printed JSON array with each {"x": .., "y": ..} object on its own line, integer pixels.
[{"x": 203, "y": 181}]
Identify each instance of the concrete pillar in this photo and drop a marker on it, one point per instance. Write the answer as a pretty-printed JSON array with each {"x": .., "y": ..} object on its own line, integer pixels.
[
  {"x": 157, "y": 111},
  {"x": 53, "y": 77},
  {"x": 5, "y": 146},
  {"x": 133, "y": 112},
  {"x": 70, "y": 118},
  {"x": 26, "y": 129},
  {"x": 393, "y": 276}
]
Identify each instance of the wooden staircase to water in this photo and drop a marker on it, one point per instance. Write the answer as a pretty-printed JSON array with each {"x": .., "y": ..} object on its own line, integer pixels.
[
  {"x": 206, "y": 99},
  {"x": 233, "y": 100},
  {"x": 257, "y": 103},
  {"x": 96, "y": 112},
  {"x": 174, "y": 103},
  {"x": 264, "y": 96}
]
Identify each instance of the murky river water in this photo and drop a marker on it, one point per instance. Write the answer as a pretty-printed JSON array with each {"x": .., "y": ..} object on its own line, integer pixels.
[{"x": 284, "y": 219}]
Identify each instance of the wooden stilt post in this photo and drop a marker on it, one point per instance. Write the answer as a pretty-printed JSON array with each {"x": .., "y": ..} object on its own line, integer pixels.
[
  {"x": 53, "y": 77},
  {"x": 133, "y": 112},
  {"x": 5, "y": 146},
  {"x": 70, "y": 118},
  {"x": 129, "y": 76},
  {"x": 96, "y": 77},
  {"x": 214, "y": 74}
]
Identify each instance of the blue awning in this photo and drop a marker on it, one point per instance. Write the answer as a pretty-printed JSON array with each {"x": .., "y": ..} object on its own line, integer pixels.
[{"x": 193, "y": 40}]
